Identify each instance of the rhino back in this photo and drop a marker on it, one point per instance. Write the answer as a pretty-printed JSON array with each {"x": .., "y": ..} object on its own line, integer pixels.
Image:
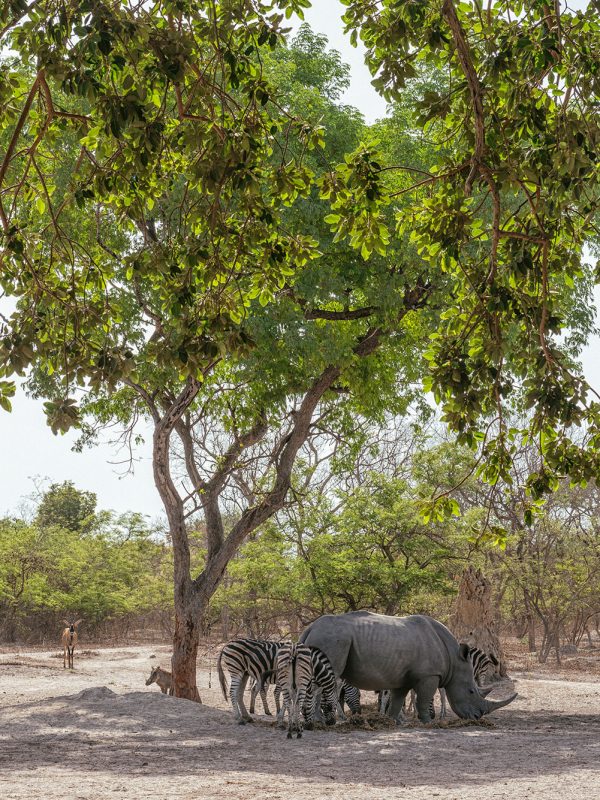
[{"x": 374, "y": 651}]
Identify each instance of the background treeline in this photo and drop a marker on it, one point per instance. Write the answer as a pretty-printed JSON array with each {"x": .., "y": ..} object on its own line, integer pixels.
[
  {"x": 351, "y": 538},
  {"x": 68, "y": 560}
]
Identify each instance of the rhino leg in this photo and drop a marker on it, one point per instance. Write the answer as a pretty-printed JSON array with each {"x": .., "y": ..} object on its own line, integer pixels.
[
  {"x": 426, "y": 688},
  {"x": 395, "y": 708}
]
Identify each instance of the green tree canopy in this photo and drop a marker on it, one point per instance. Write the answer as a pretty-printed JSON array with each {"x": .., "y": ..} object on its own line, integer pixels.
[
  {"x": 197, "y": 233},
  {"x": 66, "y": 507}
]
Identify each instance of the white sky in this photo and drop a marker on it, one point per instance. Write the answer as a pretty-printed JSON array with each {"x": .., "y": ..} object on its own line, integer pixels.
[{"x": 29, "y": 447}]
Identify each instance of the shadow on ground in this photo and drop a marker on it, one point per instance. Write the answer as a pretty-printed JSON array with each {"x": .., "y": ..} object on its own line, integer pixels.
[{"x": 143, "y": 733}]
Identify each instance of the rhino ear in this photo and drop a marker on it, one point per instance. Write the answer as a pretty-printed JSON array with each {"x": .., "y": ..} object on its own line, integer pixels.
[{"x": 463, "y": 651}]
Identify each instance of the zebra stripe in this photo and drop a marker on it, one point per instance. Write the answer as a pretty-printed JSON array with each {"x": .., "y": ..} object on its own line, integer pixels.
[
  {"x": 481, "y": 662},
  {"x": 349, "y": 695},
  {"x": 294, "y": 669},
  {"x": 245, "y": 658},
  {"x": 322, "y": 694}
]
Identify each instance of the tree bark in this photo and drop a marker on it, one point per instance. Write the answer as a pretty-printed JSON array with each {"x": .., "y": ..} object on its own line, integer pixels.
[
  {"x": 531, "y": 643},
  {"x": 185, "y": 652},
  {"x": 187, "y": 618}
]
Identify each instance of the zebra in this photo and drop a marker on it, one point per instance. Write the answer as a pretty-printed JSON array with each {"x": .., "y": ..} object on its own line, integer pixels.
[
  {"x": 325, "y": 690},
  {"x": 321, "y": 695},
  {"x": 480, "y": 661},
  {"x": 294, "y": 671},
  {"x": 246, "y": 658},
  {"x": 349, "y": 695}
]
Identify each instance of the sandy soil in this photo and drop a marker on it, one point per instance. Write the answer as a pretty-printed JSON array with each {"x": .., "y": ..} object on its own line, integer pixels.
[{"x": 99, "y": 732}]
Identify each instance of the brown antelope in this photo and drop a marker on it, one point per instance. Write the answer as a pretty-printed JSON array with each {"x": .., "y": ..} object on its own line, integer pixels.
[
  {"x": 69, "y": 640},
  {"x": 162, "y": 678}
]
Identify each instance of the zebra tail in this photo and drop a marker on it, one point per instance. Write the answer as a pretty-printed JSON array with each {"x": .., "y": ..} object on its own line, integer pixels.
[{"x": 222, "y": 679}]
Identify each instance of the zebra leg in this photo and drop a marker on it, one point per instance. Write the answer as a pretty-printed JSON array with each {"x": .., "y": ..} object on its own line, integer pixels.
[
  {"x": 263, "y": 697},
  {"x": 340, "y": 699},
  {"x": 412, "y": 703},
  {"x": 277, "y": 694},
  {"x": 308, "y": 708},
  {"x": 352, "y": 696},
  {"x": 280, "y": 710},
  {"x": 245, "y": 716},
  {"x": 291, "y": 706},
  {"x": 383, "y": 700},
  {"x": 317, "y": 713},
  {"x": 233, "y": 696},
  {"x": 296, "y": 717},
  {"x": 253, "y": 693},
  {"x": 300, "y": 704},
  {"x": 443, "y": 705}
]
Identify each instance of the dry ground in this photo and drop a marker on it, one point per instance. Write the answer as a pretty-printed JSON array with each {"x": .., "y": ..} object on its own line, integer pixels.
[{"x": 99, "y": 732}]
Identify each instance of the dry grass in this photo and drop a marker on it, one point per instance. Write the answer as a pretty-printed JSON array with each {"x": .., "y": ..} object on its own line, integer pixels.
[{"x": 79, "y": 654}]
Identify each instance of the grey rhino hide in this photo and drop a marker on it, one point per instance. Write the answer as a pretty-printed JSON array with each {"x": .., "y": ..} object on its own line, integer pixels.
[{"x": 374, "y": 651}]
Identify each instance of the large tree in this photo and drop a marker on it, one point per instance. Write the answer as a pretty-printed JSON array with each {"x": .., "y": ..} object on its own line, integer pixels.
[
  {"x": 162, "y": 237},
  {"x": 163, "y": 233}
]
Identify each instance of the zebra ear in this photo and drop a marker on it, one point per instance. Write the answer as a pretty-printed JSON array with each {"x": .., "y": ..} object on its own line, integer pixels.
[
  {"x": 464, "y": 651},
  {"x": 66, "y": 623},
  {"x": 79, "y": 621},
  {"x": 494, "y": 660}
]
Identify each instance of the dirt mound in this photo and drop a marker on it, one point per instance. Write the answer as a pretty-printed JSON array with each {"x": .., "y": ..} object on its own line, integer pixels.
[
  {"x": 153, "y": 709},
  {"x": 95, "y": 694}
]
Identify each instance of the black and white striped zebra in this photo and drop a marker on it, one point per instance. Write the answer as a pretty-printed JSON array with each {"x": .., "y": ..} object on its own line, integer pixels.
[
  {"x": 480, "y": 661},
  {"x": 294, "y": 671},
  {"x": 349, "y": 695},
  {"x": 322, "y": 695},
  {"x": 244, "y": 659}
]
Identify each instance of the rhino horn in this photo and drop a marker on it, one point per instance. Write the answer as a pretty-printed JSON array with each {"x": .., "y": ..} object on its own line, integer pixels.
[
  {"x": 494, "y": 705},
  {"x": 485, "y": 690}
]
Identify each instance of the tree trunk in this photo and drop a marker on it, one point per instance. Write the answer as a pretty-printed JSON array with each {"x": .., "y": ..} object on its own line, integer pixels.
[
  {"x": 473, "y": 619},
  {"x": 531, "y": 643},
  {"x": 185, "y": 653},
  {"x": 188, "y": 614}
]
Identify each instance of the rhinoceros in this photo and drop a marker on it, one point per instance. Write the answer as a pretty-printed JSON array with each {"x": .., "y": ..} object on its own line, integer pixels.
[{"x": 374, "y": 651}]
